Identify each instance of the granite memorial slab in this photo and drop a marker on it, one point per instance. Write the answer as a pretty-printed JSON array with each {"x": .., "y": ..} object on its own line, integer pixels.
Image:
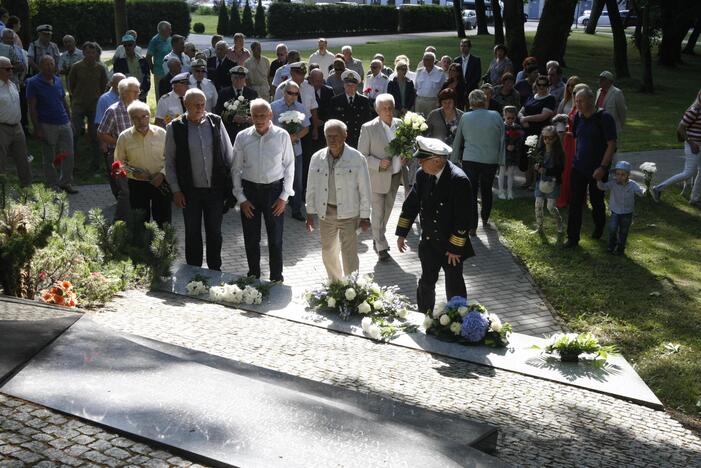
[
  {"x": 222, "y": 411},
  {"x": 616, "y": 378},
  {"x": 26, "y": 327}
]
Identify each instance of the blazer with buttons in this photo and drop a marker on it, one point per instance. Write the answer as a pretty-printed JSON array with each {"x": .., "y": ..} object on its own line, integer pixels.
[
  {"x": 445, "y": 210},
  {"x": 353, "y": 116}
]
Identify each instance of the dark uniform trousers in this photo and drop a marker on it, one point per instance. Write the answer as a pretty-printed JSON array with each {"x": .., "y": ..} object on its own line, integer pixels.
[
  {"x": 262, "y": 196},
  {"x": 204, "y": 203},
  {"x": 445, "y": 220}
]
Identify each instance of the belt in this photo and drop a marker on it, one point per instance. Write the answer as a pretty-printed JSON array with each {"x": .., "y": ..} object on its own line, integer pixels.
[
  {"x": 271, "y": 184},
  {"x": 9, "y": 124}
]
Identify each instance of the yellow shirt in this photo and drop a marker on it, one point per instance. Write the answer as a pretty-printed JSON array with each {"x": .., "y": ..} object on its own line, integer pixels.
[{"x": 142, "y": 152}]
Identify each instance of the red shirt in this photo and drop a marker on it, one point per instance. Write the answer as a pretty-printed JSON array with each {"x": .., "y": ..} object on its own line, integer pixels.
[{"x": 602, "y": 97}]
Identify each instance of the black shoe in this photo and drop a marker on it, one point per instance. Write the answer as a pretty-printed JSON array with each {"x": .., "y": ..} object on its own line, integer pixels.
[
  {"x": 68, "y": 188},
  {"x": 251, "y": 275},
  {"x": 598, "y": 232},
  {"x": 299, "y": 217},
  {"x": 570, "y": 244},
  {"x": 384, "y": 254},
  {"x": 279, "y": 279}
]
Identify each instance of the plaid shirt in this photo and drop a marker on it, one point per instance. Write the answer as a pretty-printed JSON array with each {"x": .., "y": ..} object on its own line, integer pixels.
[{"x": 115, "y": 120}]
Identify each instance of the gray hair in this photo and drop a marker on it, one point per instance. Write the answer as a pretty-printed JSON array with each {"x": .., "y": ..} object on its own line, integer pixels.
[
  {"x": 383, "y": 98},
  {"x": 5, "y": 61},
  {"x": 221, "y": 44},
  {"x": 68, "y": 37},
  {"x": 190, "y": 46},
  {"x": 8, "y": 32},
  {"x": 552, "y": 63},
  {"x": 260, "y": 102},
  {"x": 124, "y": 85},
  {"x": 137, "y": 106},
  {"x": 162, "y": 24},
  {"x": 280, "y": 46},
  {"x": 335, "y": 123},
  {"x": 376, "y": 62},
  {"x": 290, "y": 84},
  {"x": 192, "y": 93},
  {"x": 347, "y": 48},
  {"x": 477, "y": 98},
  {"x": 585, "y": 91},
  {"x": 429, "y": 55}
]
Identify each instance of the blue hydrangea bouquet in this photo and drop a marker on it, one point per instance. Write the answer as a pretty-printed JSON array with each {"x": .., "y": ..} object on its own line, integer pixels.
[{"x": 467, "y": 322}]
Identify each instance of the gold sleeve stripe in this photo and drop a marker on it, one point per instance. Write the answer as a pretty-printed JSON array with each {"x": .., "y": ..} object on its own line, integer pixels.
[
  {"x": 404, "y": 223},
  {"x": 457, "y": 241}
]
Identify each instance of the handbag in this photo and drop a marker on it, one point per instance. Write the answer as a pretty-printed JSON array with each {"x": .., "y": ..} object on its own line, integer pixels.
[{"x": 546, "y": 185}]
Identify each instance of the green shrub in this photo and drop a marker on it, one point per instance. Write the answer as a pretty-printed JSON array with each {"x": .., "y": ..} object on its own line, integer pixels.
[
  {"x": 198, "y": 28},
  {"x": 260, "y": 27},
  {"x": 426, "y": 18},
  {"x": 93, "y": 20},
  {"x": 247, "y": 20},
  {"x": 291, "y": 19}
]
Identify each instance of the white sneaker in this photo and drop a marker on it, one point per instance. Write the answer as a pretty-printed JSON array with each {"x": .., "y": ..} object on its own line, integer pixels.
[
  {"x": 501, "y": 195},
  {"x": 510, "y": 195}
]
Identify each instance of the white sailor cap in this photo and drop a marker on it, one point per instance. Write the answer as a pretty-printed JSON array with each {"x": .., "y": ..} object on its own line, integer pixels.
[
  {"x": 350, "y": 76},
  {"x": 429, "y": 147},
  {"x": 181, "y": 78}
]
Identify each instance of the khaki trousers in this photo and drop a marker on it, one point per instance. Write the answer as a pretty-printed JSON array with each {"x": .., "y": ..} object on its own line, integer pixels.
[
  {"x": 13, "y": 145},
  {"x": 382, "y": 204},
  {"x": 424, "y": 105},
  {"x": 330, "y": 230}
]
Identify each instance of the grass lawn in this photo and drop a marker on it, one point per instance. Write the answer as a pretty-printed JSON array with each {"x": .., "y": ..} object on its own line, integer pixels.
[
  {"x": 209, "y": 21},
  {"x": 647, "y": 303}
]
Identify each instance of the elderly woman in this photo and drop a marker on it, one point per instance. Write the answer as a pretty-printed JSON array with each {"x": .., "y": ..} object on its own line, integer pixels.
[
  {"x": 535, "y": 115},
  {"x": 689, "y": 130},
  {"x": 479, "y": 146},
  {"x": 402, "y": 90},
  {"x": 409, "y": 74},
  {"x": 456, "y": 83},
  {"x": 443, "y": 122},
  {"x": 500, "y": 64},
  {"x": 505, "y": 94}
]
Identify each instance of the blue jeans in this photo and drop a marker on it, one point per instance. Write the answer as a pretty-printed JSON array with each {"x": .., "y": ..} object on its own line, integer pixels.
[
  {"x": 619, "y": 225},
  {"x": 298, "y": 185}
]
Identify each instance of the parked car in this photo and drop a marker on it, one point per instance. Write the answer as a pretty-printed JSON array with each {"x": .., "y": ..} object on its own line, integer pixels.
[
  {"x": 469, "y": 18},
  {"x": 629, "y": 18}
]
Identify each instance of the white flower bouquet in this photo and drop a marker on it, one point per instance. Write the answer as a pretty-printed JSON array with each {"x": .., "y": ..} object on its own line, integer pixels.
[
  {"x": 534, "y": 152},
  {"x": 404, "y": 142},
  {"x": 466, "y": 322},
  {"x": 242, "y": 291},
  {"x": 383, "y": 308},
  {"x": 238, "y": 107},
  {"x": 569, "y": 346},
  {"x": 649, "y": 170},
  {"x": 291, "y": 121}
]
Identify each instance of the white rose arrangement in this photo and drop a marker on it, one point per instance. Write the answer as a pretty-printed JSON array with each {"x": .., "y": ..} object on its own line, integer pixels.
[
  {"x": 404, "y": 142},
  {"x": 291, "y": 121}
]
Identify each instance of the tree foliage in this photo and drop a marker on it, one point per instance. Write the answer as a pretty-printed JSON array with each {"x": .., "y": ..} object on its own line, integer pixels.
[
  {"x": 235, "y": 19},
  {"x": 515, "y": 32},
  {"x": 223, "y": 20},
  {"x": 259, "y": 26},
  {"x": 247, "y": 20}
]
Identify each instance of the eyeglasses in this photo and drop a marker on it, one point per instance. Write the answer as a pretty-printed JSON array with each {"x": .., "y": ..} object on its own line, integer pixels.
[{"x": 290, "y": 93}]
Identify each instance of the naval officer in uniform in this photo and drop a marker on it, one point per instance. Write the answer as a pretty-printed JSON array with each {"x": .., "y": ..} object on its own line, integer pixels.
[
  {"x": 351, "y": 107},
  {"x": 172, "y": 104},
  {"x": 440, "y": 197}
]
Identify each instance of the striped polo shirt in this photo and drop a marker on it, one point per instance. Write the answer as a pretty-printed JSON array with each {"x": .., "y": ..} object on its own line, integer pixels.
[{"x": 692, "y": 122}]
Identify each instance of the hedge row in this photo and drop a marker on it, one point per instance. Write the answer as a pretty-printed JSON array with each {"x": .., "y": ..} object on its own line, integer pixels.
[
  {"x": 292, "y": 19},
  {"x": 93, "y": 20}
]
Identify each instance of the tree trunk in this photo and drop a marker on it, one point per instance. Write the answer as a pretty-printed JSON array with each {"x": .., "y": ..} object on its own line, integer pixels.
[
  {"x": 20, "y": 8},
  {"x": 676, "y": 21},
  {"x": 498, "y": 23},
  {"x": 120, "y": 19},
  {"x": 620, "y": 45},
  {"x": 691, "y": 44},
  {"x": 597, "y": 8},
  {"x": 550, "y": 40},
  {"x": 646, "y": 49},
  {"x": 515, "y": 33},
  {"x": 457, "y": 13},
  {"x": 481, "y": 18}
]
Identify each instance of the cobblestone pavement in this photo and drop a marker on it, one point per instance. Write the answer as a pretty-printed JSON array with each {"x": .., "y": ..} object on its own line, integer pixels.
[{"x": 493, "y": 276}]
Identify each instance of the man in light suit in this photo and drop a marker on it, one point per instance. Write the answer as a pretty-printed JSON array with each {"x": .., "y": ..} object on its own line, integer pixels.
[
  {"x": 386, "y": 172},
  {"x": 610, "y": 99},
  {"x": 471, "y": 66}
]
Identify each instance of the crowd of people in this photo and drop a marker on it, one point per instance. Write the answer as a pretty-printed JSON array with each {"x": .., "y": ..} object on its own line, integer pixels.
[{"x": 221, "y": 136}]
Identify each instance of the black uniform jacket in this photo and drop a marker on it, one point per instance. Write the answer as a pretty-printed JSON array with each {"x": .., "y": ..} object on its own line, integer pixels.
[{"x": 354, "y": 117}]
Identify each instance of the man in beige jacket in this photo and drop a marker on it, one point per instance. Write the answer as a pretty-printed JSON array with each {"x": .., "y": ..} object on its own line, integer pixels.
[
  {"x": 610, "y": 99},
  {"x": 386, "y": 172}
]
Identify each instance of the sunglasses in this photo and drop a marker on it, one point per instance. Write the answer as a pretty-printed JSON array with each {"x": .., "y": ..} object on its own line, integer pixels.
[{"x": 289, "y": 93}]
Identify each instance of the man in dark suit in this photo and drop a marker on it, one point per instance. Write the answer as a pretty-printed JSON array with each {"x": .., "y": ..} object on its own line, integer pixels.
[
  {"x": 471, "y": 66},
  {"x": 439, "y": 194},
  {"x": 351, "y": 107},
  {"x": 164, "y": 84},
  {"x": 315, "y": 140},
  {"x": 218, "y": 66},
  {"x": 238, "y": 88}
]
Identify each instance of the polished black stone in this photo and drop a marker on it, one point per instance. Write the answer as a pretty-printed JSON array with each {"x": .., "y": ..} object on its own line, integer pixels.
[
  {"x": 222, "y": 410},
  {"x": 26, "y": 327}
]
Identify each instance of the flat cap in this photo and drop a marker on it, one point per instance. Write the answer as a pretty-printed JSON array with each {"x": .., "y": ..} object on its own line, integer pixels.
[
  {"x": 607, "y": 75},
  {"x": 181, "y": 78},
  {"x": 238, "y": 70},
  {"x": 350, "y": 76},
  {"x": 45, "y": 28},
  {"x": 428, "y": 147},
  {"x": 199, "y": 63}
]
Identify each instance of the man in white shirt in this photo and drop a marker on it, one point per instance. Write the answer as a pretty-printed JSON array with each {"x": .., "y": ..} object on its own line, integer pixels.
[
  {"x": 263, "y": 174},
  {"x": 376, "y": 81},
  {"x": 429, "y": 80},
  {"x": 178, "y": 44},
  {"x": 338, "y": 193},
  {"x": 199, "y": 80},
  {"x": 172, "y": 105},
  {"x": 283, "y": 73},
  {"x": 13, "y": 144},
  {"x": 323, "y": 57}
]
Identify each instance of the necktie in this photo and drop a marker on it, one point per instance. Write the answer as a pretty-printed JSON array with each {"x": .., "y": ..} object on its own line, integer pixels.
[
  {"x": 431, "y": 183},
  {"x": 350, "y": 101},
  {"x": 199, "y": 85},
  {"x": 182, "y": 103}
]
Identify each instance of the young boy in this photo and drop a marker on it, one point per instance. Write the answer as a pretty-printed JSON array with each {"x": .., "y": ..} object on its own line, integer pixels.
[
  {"x": 513, "y": 135},
  {"x": 621, "y": 203}
]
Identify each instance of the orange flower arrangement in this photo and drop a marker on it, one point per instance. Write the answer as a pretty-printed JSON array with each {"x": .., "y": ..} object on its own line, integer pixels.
[{"x": 61, "y": 293}]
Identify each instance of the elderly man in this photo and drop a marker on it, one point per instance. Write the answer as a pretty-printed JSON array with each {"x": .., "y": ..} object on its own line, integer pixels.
[
  {"x": 610, "y": 99},
  {"x": 386, "y": 172},
  {"x": 172, "y": 105},
  {"x": 133, "y": 64},
  {"x": 42, "y": 46},
  {"x": 8, "y": 50},
  {"x": 258, "y": 70},
  {"x": 307, "y": 95},
  {"x": 376, "y": 81},
  {"x": 335, "y": 79},
  {"x": 13, "y": 144},
  {"x": 281, "y": 54},
  {"x": 438, "y": 196},
  {"x": 120, "y": 51},
  {"x": 178, "y": 52},
  {"x": 234, "y": 124},
  {"x": 479, "y": 146},
  {"x": 51, "y": 120},
  {"x": 595, "y": 133},
  {"x": 199, "y": 80},
  {"x": 142, "y": 147},
  {"x": 115, "y": 121},
  {"x": 323, "y": 57},
  {"x": 429, "y": 81},
  {"x": 387, "y": 71},
  {"x": 158, "y": 47},
  {"x": 70, "y": 56},
  {"x": 263, "y": 175},
  {"x": 285, "y": 104},
  {"x": 351, "y": 63},
  {"x": 164, "y": 84},
  {"x": 283, "y": 73},
  {"x": 219, "y": 65},
  {"x": 198, "y": 169},
  {"x": 338, "y": 193},
  {"x": 87, "y": 81},
  {"x": 351, "y": 107}
]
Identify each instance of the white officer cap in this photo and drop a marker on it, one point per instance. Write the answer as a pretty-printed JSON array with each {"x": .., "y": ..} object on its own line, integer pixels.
[
  {"x": 181, "y": 78},
  {"x": 429, "y": 147},
  {"x": 350, "y": 76}
]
